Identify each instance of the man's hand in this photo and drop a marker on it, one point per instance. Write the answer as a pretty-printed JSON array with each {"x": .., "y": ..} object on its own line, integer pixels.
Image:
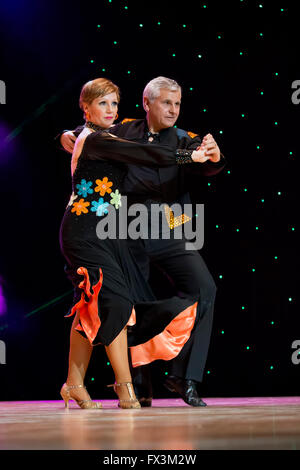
[
  {"x": 67, "y": 141},
  {"x": 198, "y": 155},
  {"x": 210, "y": 148}
]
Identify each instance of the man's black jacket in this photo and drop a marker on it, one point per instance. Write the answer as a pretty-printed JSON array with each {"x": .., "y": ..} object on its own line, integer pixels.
[{"x": 169, "y": 184}]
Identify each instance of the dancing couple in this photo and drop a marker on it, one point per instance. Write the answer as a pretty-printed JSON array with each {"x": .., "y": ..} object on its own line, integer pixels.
[{"x": 148, "y": 161}]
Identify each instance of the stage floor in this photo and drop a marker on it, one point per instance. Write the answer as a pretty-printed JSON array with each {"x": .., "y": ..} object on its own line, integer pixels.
[{"x": 225, "y": 424}]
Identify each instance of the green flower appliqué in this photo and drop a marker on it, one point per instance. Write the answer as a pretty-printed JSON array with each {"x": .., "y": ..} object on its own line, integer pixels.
[{"x": 116, "y": 199}]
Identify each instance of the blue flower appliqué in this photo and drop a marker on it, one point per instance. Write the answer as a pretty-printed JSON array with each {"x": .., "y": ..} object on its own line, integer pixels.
[
  {"x": 84, "y": 188},
  {"x": 100, "y": 207}
]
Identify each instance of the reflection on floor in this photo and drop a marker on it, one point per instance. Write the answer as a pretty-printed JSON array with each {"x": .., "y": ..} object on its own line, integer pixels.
[{"x": 225, "y": 424}]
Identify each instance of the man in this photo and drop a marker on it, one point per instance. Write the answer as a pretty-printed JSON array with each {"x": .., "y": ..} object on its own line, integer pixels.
[{"x": 161, "y": 101}]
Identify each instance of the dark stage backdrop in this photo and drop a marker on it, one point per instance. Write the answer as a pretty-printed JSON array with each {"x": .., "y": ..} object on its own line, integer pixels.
[{"x": 237, "y": 64}]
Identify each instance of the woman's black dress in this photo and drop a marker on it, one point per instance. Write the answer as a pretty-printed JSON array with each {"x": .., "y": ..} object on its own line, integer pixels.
[{"x": 110, "y": 290}]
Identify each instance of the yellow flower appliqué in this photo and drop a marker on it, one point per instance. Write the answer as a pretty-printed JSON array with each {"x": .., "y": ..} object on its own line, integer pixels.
[
  {"x": 104, "y": 186},
  {"x": 80, "y": 206}
]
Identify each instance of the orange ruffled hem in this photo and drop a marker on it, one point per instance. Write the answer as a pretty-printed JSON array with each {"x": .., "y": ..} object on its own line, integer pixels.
[
  {"x": 165, "y": 345},
  {"x": 169, "y": 343},
  {"x": 89, "y": 320}
]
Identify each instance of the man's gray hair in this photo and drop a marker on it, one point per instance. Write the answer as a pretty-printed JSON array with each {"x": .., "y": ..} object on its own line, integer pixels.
[{"x": 152, "y": 89}]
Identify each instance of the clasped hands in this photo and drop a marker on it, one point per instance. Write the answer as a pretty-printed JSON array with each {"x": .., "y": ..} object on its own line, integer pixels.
[{"x": 208, "y": 150}]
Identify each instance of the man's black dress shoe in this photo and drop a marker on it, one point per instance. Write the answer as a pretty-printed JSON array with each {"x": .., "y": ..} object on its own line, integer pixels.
[
  {"x": 141, "y": 380},
  {"x": 145, "y": 401},
  {"x": 143, "y": 395},
  {"x": 186, "y": 389}
]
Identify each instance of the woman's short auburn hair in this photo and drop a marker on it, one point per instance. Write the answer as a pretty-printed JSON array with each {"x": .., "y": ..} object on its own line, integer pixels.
[{"x": 96, "y": 89}]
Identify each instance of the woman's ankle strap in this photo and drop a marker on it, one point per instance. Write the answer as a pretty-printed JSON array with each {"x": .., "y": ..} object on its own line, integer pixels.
[{"x": 75, "y": 386}]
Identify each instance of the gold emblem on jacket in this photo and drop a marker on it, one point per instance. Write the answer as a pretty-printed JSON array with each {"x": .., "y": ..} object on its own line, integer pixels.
[{"x": 175, "y": 221}]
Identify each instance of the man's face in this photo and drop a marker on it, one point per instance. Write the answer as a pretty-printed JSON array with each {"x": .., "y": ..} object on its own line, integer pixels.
[{"x": 164, "y": 110}]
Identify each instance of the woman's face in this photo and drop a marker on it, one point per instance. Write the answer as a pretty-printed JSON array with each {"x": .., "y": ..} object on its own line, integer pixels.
[{"x": 102, "y": 111}]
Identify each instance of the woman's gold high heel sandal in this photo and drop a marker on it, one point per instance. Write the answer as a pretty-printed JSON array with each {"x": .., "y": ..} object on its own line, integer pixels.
[
  {"x": 131, "y": 402},
  {"x": 84, "y": 404}
]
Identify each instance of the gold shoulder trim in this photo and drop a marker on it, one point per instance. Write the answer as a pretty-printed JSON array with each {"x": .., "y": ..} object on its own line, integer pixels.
[
  {"x": 127, "y": 120},
  {"x": 192, "y": 135}
]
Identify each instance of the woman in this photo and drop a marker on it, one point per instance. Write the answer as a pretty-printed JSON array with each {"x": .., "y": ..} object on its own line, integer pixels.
[{"x": 113, "y": 294}]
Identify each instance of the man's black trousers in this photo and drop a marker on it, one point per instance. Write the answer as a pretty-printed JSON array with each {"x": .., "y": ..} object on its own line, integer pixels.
[{"x": 191, "y": 277}]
